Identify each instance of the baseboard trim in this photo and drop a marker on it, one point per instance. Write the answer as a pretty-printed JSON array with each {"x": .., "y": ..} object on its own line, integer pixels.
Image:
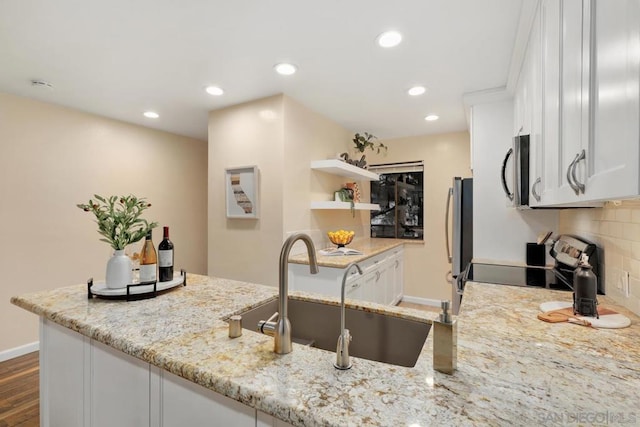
[
  {"x": 423, "y": 301},
  {"x": 19, "y": 351}
]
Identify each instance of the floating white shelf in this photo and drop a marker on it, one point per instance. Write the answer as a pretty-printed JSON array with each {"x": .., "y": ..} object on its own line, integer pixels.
[
  {"x": 344, "y": 205},
  {"x": 338, "y": 167}
]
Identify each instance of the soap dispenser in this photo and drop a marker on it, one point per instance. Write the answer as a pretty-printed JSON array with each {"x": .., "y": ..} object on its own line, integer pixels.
[{"x": 445, "y": 345}]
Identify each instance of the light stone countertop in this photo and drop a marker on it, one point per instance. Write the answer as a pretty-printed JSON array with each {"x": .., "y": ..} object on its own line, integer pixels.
[
  {"x": 368, "y": 247},
  {"x": 512, "y": 368}
]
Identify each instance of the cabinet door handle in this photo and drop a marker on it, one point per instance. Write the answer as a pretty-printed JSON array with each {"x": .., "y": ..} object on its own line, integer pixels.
[
  {"x": 533, "y": 189},
  {"x": 397, "y": 263},
  {"x": 505, "y": 187},
  {"x": 581, "y": 156},
  {"x": 355, "y": 285},
  {"x": 377, "y": 276},
  {"x": 573, "y": 186}
]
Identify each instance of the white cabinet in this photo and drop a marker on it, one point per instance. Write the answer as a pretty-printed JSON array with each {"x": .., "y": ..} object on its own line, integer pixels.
[
  {"x": 580, "y": 102},
  {"x": 574, "y": 99},
  {"x": 354, "y": 288},
  {"x": 548, "y": 151},
  {"x": 398, "y": 276},
  {"x": 85, "y": 383},
  {"x": 183, "y": 403},
  {"x": 612, "y": 166},
  {"x": 528, "y": 108},
  {"x": 117, "y": 381},
  {"x": 61, "y": 376},
  {"x": 381, "y": 280}
]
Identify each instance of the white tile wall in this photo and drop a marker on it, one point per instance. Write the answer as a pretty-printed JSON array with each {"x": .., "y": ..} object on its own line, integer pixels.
[{"x": 616, "y": 228}]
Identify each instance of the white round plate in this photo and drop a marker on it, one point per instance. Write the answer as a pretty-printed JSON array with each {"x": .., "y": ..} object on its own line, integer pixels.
[{"x": 606, "y": 321}]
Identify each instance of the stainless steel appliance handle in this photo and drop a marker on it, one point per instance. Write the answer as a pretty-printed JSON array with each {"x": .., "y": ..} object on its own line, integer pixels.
[
  {"x": 460, "y": 284},
  {"x": 446, "y": 224},
  {"x": 533, "y": 189},
  {"x": 579, "y": 185},
  {"x": 573, "y": 186},
  {"x": 504, "y": 174}
]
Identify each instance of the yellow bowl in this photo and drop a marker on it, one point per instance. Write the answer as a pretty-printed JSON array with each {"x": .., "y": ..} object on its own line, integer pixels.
[{"x": 341, "y": 239}]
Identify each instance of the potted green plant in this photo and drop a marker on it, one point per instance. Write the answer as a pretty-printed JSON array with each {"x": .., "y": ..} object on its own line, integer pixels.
[
  {"x": 362, "y": 142},
  {"x": 345, "y": 195},
  {"x": 120, "y": 224}
]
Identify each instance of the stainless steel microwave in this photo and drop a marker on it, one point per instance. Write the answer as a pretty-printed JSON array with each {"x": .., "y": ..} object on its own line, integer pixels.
[{"x": 516, "y": 184}]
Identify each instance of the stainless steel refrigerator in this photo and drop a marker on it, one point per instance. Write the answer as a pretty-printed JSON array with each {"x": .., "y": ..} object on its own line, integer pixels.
[{"x": 459, "y": 233}]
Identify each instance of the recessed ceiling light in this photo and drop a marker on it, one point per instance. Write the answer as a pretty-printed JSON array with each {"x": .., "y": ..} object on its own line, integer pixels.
[
  {"x": 285, "y": 68},
  {"x": 431, "y": 118},
  {"x": 417, "y": 90},
  {"x": 214, "y": 90},
  {"x": 389, "y": 39},
  {"x": 151, "y": 114}
]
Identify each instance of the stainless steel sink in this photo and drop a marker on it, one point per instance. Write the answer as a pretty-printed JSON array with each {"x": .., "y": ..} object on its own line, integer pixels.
[{"x": 378, "y": 337}]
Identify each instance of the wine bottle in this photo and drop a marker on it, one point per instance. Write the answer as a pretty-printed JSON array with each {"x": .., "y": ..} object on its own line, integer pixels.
[
  {"x": 165, "y": 257},
  {"x": 148, "y": 260}
]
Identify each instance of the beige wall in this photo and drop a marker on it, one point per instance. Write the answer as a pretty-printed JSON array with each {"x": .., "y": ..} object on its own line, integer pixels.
[
  {"x": 281, "y": 137},
  {"x": 617, "y": 230},
  {"x": 310, "y": 136},
  {"x": 52, "y": 158},
  {"x": 243, "y": 135},
  {"x": 444, "y": 156}
]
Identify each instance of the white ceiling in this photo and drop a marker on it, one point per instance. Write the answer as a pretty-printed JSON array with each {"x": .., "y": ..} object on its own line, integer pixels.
[{"x": 118, "y": 58}]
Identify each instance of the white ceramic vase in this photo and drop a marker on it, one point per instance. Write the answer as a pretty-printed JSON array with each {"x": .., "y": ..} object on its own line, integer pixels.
[{"x": 119, "y": 271}]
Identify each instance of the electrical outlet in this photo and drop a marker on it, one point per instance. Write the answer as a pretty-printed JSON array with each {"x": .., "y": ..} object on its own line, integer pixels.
[{"x": 625, "y": 283}]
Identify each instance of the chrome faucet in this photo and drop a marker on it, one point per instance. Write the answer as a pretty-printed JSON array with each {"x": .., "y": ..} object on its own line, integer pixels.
[
  {"x": 281, "y": 329},
  {"x": 342, "y": 350}
]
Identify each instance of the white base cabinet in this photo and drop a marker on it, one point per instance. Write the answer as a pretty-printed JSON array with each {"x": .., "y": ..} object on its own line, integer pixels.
[
  {"x": 381, "y": 280},
  {"x": 86, "y": 383}
]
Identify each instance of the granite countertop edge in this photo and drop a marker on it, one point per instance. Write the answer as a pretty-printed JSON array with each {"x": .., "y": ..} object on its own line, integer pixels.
[
  {"x": 369, "y": 248},
  {"x": 501, "y": 346}
]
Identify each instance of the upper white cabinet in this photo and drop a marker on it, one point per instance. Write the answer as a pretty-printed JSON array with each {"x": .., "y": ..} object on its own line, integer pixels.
[
  {"x": 546, "y": 156},
  {"x": 612, "y": 167},
  {"x": 573, "y": 96},
  {"x": 528, "y": 106},
  {"x": 578, "y": 98}
]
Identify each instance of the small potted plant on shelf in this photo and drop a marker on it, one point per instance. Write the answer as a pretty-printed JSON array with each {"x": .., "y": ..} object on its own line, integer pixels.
[
  {"x": 345, "y": 195},
  {"x": 120, "y": 224},
  {"x": 362, "y": 142}
]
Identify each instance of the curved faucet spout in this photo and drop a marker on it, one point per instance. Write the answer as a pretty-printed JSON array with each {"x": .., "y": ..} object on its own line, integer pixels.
[
  {"x": 282, "y": 335},
  {"x": 342, "y": 350}
]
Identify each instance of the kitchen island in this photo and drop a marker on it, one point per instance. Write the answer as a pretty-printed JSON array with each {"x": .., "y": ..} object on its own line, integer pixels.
[{"x": 512, "y": 368}]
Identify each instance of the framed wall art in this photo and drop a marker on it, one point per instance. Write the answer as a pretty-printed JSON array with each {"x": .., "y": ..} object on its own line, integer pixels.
[{"x": 241, "y": 189}]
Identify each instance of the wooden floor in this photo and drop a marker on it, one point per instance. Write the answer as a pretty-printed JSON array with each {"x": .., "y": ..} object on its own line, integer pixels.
[{"x": 19, "y": 391}]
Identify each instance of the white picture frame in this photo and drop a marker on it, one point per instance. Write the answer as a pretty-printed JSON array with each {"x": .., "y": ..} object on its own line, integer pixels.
[{"x": 242, "y": 192}]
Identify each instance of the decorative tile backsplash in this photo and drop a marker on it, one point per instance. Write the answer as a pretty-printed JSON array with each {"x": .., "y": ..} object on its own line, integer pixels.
[{"x": 616, "y": 229}]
